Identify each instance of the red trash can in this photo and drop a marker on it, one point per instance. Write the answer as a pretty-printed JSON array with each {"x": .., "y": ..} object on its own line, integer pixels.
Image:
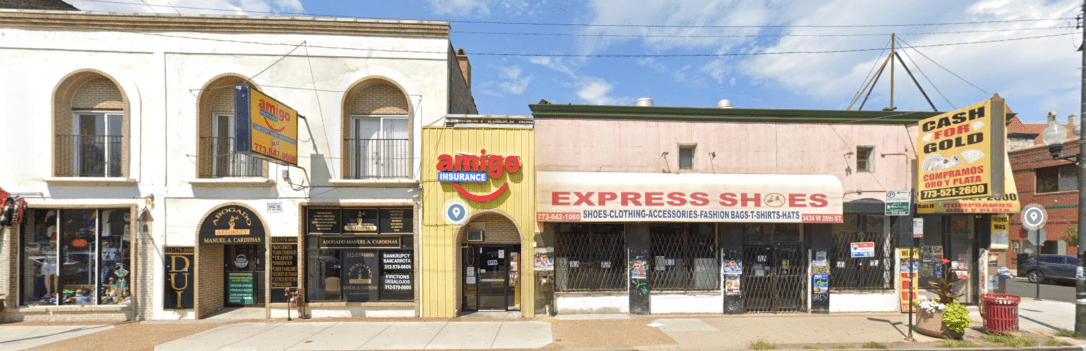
[{"x": 1000, "y": 312}]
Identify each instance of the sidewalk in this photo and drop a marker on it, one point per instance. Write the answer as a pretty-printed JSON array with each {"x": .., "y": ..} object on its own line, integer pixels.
[{"x": 585, "y": 332}]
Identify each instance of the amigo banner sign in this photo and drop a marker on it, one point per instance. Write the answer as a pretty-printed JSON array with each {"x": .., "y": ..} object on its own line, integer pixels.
[
  {"x": 657, "y": 197},
  {"x": 955, "y": 151},
  {"x": 265, "y": 128}
]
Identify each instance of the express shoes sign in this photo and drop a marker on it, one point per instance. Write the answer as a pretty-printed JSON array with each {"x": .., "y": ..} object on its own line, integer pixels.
[{"x": 476, "y": 169}]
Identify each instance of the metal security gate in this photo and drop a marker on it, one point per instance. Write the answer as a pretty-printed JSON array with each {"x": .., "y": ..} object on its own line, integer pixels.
[{"x": 773, "y": 278}]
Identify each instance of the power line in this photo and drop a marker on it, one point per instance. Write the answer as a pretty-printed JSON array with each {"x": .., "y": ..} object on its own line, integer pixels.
[
  {"x": 944, "y": 68},
  {"x": 507, "y": 54},
  {"x": 748, "y": 35},
  {"x": 917, "y": 65},
  {"x": 605, "y": 25},
  {"x": 875, "y": 64}
]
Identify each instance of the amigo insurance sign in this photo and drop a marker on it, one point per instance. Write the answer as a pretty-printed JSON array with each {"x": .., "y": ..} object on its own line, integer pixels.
[{"x": 265, "y": 128}]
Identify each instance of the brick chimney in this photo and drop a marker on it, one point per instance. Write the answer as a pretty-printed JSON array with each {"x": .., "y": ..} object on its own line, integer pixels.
[{"x": 465, "y": 65}]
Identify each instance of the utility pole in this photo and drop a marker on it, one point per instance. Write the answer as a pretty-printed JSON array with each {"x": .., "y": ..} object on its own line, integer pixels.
[
  {"x": 893, "y": 50},
  {"x": 1080, "y": 280}
]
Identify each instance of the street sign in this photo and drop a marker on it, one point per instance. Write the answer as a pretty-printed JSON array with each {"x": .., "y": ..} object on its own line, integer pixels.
[
  {"x": 1034, "y": 216},
  {"x": 897, "y": 202},
  {"x": 918, "y": 227},
  {"x": 1037, "y": 237}
]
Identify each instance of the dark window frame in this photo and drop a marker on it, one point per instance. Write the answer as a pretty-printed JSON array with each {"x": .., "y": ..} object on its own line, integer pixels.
[{"x": 1054, "y": 179}]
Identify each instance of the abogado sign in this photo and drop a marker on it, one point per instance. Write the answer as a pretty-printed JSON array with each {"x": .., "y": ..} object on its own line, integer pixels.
[
  {"x": 655, "y": 197},
  {"x": 955, "y": 152},
  {"x": 265, "y": 128}
]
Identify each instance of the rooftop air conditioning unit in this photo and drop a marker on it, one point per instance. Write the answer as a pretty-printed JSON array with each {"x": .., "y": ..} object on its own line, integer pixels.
[{"x": 475, "y": 235}]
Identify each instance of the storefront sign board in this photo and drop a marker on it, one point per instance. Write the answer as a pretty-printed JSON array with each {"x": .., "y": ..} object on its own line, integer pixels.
[
  {"x": 1006, "y": 203},
  {"x": 180, "y": 265},
  {"x": 239, "y": 288},
  {"x": 324, "y": 220},
  {"x": 265, "y": 128},
  {"x": 1000, "y": 232},
  {"x": 360, "y": 280},
  {"x": 232, "y": 225},
  {"x": 359, "y": 242},
  {"x": 284, "y": 262},
  {"x": 918, "y": 227},
  {"x": 660, "y": 197},
  {"x": 396, "y": 220},
  {"x": 359, "y": 221},
  {"x": 955, "y": 151}
]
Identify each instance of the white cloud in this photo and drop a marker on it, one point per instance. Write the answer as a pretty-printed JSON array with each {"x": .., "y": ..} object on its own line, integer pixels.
[
  {"x": 557, "y": 63},
  {"x": 515, "y": 84},
  {"x": 596, "y": 91},
  {"x": 192, "y": 7},
  {"x": 484, "y": 8}
]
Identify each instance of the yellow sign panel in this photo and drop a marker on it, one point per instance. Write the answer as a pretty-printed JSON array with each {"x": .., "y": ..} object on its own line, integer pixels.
[
  {"x": 954, "y": 151},
  {"x": 1000, "y": 230},
  {"x": 1006, "y": 203},
  {"x": 267, "y": 128}
]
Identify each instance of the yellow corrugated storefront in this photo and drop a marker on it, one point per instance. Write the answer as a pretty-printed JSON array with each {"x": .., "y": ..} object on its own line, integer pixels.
[{"x": 492, "y": 271}]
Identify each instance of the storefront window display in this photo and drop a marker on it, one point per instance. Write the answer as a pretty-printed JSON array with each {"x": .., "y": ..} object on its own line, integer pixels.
[
  {"x": 847, "y": 272},
  {"x": 684, "y": 257},
  {"x": 86, "y": 261},
  {"x": 590, "y": 257},
  {"x": 948, "y": 253},
  {"x": 359, "y": 255}
]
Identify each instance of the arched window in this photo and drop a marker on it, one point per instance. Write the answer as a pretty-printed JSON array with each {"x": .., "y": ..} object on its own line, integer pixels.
[
  {"x": 217, "y": 133},
  {"x": 377, "y": 131},
  {"x": 91, "y": 127}
]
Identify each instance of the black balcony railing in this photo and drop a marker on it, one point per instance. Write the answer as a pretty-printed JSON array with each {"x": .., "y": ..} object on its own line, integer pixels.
[
  {"x": 224, "y": 162},
  {"x": 379, "y": 158},
  {"x": 89, "y": 155}
]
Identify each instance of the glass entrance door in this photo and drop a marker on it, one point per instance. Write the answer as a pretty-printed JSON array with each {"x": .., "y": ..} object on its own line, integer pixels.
[
  {"x": 244, "y": 274},
  {"x": 493, "y": 275}
]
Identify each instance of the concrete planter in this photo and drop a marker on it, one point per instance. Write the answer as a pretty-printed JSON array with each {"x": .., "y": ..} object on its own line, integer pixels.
[{"x": 931, "y": 324}]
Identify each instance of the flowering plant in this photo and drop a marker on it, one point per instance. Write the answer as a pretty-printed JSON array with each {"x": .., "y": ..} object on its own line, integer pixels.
[
  {"x": 931, "y": 306},
  {"x": 943, "y": 286}
]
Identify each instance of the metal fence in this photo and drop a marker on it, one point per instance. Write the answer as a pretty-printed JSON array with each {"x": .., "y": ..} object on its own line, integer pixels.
[
  {"x": 863, "y": 274},
  {"x": 684, "y": 257},
  {"x": 590, "y": 257},
  {"x": 227, "y": 163},
  {"x": 379, "y": 158},
  {"x": 774, "y": 278},
  {"x": 89, "y": 155}
]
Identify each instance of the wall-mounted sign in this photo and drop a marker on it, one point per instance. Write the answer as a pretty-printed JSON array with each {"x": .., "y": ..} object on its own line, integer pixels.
[
  {"x": 862, "y": 249},
  {"x": 284, "y": 263},
  {"x": 897, "y": 202},
  {"x": 955, "y": 152},
  {"x": 179, "y": 292},
  {"x": 918, "y": 227},
  {"x": 396, "y": 260},
  {"x": 265, "y": 128},
  {"x": 360, "y": 275},
  {"x": 359, "y": 242},
  {"x": 231, "y": 225},
  {"x": 476, "y": 169},
  {"x": 1000, "y": 232},
  {"x": 396, "y": 220},
  {"x": 323, "y": 220},
  {"x": 686, "y": 197},
  {"x": 359, "y": 221}
]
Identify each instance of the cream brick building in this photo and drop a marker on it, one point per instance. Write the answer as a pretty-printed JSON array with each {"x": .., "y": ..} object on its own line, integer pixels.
[{"x": 120, "y": 138}]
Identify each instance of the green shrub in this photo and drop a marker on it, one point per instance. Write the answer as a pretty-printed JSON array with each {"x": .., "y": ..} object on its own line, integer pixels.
[
  {"x": 810, "y": 347},
  {"x": 1053, "y": 342},
  {"x": 956, "y": 317},
  {"x": 761, "y": 344},
  {"x": 874, "y": 345}
]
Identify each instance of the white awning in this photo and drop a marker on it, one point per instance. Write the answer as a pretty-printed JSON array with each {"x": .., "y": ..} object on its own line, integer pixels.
[{"x": 689, "y": 197}]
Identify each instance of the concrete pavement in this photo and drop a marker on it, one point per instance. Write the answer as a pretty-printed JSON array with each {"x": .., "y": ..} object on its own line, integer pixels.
[
  {"x": 311, "y": 335},
  {"x": 22, "y": 338}
]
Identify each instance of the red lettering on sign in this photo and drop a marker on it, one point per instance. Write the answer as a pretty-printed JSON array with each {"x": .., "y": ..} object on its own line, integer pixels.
[
  {"x": 676, "y": 199},
  {"x": 699, "y": 199},
  {"x": 819, "y": 200},
  {"x": 584, "y": 198},
  {"x": 756, "y": 199},
  {"x": 728, "y": 199},
  {"x": 560, "y": 198},
  {"x": 797, "y": 200},
  {"x": 628, "y": 197},
  {"x": 606, "y": 196},
  {"x": 654, "y": 199}
]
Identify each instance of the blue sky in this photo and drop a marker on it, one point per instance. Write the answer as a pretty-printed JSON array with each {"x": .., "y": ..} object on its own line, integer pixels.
[{"x": 735, "y": 48}]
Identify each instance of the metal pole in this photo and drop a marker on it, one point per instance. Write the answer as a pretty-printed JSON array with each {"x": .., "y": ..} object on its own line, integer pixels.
[
  {"x": 912, "y": 246},
  {"x": 1080, "y": 281},
  {"x": 1037, "y": 257},
  {"x": 893, "y": 50}
]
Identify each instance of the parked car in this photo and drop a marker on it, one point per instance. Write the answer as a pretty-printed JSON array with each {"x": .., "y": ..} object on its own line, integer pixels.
[{"x": 1052, "y": 267}]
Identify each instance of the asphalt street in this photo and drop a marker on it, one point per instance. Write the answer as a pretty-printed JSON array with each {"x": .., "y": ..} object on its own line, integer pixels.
[{"x": 1049, "y": 291}]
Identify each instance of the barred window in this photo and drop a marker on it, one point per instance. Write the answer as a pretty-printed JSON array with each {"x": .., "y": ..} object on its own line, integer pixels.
[
  {"x": 866, "y": 273},
  {"x": 590, "y": 257},
  {"x": 684, "y": 257}
]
